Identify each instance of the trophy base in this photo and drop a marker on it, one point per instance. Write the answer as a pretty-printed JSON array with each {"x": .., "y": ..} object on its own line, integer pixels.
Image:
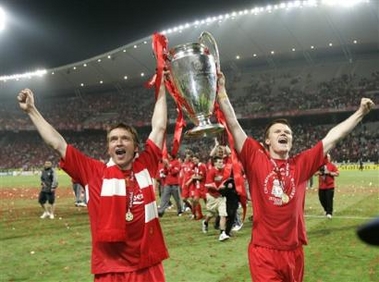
[{"x": 207, "y": 130}]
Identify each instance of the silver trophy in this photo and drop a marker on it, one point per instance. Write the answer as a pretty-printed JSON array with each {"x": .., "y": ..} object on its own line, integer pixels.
[{"x": 193, "y": 70}]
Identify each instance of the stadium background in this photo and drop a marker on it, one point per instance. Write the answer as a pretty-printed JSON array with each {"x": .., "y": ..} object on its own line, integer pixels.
[
  {"x": 261, "y": 87},
  {"x": 306, "y": 61}
]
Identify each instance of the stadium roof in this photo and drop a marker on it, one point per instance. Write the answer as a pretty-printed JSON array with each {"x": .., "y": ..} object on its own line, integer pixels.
[{"x": 266, "y": 35}]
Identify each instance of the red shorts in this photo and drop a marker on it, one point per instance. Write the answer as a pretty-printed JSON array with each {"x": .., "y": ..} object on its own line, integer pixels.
[
  {"x": 275, "y": 265},
  {"x": 153, "y": 273}
]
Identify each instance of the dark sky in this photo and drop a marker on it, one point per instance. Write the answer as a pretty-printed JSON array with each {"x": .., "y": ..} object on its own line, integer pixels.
[{"x": 52, "y": 33}]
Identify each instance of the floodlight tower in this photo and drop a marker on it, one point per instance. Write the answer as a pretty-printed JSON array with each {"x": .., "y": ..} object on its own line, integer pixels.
[{"x": 2, "y": 19}]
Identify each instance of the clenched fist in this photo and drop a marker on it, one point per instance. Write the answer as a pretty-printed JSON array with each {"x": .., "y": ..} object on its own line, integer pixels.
[
  {"x": 366, "y": 105},
  {"x": 25, "y": 99}
]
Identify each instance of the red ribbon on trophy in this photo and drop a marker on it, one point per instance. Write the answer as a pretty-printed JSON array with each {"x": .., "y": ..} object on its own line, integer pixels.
[{"x": 160, "y": 48}]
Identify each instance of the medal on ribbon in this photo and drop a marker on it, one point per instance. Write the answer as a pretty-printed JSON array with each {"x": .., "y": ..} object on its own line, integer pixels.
[
  {"x": 285, "y": 198},
  {"x": 129, "y": 183},
  {"x": 129, "y": 216}
]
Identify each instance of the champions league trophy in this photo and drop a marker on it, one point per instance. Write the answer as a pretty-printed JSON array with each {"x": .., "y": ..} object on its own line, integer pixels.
[{"x": 193, "y": 71}]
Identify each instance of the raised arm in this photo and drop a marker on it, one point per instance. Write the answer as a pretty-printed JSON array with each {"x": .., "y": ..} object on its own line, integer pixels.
[
  {"x": 232, "y": 123},
  {"x": 159, "y": 118},
  {"x": 344, "y": 128},
  {"x": 46, "y": 130},
  {"x": 214, "y": 149}
]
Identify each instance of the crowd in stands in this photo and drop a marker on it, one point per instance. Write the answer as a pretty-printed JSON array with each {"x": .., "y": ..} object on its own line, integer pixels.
[
  {"x": 26, "y": 150},
  {"x": 266, "y": 93},
  {"x": 258, "y": 95}
]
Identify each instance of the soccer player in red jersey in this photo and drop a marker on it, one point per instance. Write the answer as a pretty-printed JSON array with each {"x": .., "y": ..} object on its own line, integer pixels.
[
  {"x": 196, "y": 185},
  {"x": 127, "y": 240},
  {"x": 277, "y": 185},
  {"x": 186, "y": 173}
]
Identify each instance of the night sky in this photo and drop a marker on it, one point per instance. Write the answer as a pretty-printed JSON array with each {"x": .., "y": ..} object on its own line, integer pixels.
[{"x": 53, "y": 33}]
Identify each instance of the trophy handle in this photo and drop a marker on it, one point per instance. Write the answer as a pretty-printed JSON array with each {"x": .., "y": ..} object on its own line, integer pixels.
[{"x": 206, "y": 35}]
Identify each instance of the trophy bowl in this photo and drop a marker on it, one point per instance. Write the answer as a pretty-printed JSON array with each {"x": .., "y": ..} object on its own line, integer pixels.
[{"x": 193, "y": 71}]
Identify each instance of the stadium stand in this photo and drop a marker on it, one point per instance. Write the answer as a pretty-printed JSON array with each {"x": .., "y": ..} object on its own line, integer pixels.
[{"x": 313, "y": 98}]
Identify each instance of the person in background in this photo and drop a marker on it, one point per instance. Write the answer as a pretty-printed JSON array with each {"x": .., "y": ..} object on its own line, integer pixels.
[
  {"x": 196, "y": 186},
  {"x": 361, "y": 166},
  {"x": 171, "y": 185},
  {"x": 232, "y": 202},
  {"x": 216, "y": 202},
  {"x": 277, "y": 183},
  {"x": 79, "y": 192},
  {"x": 159, "y": 179},
  {"x": 224, "y": 152},
  {"x": 185, "y": 176},
  {"x": 49, "y": 182},
  {"x": 310, "y": 183},
  {"x": 127, "y": 239},
  {"x": 326, "y": 184}
]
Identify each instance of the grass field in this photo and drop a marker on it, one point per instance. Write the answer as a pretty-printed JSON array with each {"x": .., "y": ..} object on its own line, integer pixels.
[{"x": 34, "y": 249}]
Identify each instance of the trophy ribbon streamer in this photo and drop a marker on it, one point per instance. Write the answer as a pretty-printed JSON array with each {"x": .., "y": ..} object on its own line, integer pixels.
[
  {"x": 160, "y": 47},
  {"x": 237, "y": 173}
]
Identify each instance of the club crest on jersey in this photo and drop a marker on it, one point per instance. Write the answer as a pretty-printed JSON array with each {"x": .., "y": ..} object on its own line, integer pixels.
[{"x": 274, "y": 190}]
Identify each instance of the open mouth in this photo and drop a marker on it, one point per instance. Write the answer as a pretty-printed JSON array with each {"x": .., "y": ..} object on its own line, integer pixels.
[
  {"x": 120, "y": 151},
  {"x": 283, "y": 140}
]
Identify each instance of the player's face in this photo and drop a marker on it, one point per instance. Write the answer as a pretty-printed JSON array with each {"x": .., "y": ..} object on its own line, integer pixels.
[
  {"x": 121, "y": 147},
  {"x": 220, "y": 151},
  {"x": 195, "y": 160},
  {"x": 279, "y": 138},
  {"x": 219, "y": 164}
]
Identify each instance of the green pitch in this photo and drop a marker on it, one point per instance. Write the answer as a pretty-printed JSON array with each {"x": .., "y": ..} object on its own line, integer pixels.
[{"x": 34, "y": 249}]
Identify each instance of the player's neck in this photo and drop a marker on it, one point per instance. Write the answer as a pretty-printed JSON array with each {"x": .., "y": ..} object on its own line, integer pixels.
[{"x": 279, "y": 155}]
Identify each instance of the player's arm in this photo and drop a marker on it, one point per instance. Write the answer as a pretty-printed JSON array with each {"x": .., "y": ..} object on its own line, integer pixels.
[
  {"x": 189, "y": 181},
  {"x": 232, "y": 123},
  {"x": 344, "y": 128},
  {"x": 334, "y": 171},
  {"x": 214, "y": 149},
  {"x": 159, "y": 118},
  {"x": 46, "y": 130},
  {"x": 211, "y": 186}
]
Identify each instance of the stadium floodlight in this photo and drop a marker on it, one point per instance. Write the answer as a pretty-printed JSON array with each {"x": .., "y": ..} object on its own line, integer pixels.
[
  {"x": 2, "y": 19},
  {"x": 344, "y": 3},
  {"x": 38, "y": 73}
]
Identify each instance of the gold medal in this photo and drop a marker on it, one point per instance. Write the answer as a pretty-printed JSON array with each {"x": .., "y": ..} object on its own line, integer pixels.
[
  {"x": 129, "y": 216},
  {"x": 285, "y": 198}
]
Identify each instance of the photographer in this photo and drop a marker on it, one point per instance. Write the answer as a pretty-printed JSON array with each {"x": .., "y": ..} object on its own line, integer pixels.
[{"x": 326, "y": 185}]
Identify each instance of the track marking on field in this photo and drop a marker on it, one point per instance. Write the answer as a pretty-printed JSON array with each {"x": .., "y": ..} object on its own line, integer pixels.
[{"x": 341, "y": 216}]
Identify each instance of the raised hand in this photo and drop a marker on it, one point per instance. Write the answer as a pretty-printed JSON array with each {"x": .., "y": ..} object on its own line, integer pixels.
[
  {"x": 366, "y": 105},
  {"x": 25, "y": 99}
]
